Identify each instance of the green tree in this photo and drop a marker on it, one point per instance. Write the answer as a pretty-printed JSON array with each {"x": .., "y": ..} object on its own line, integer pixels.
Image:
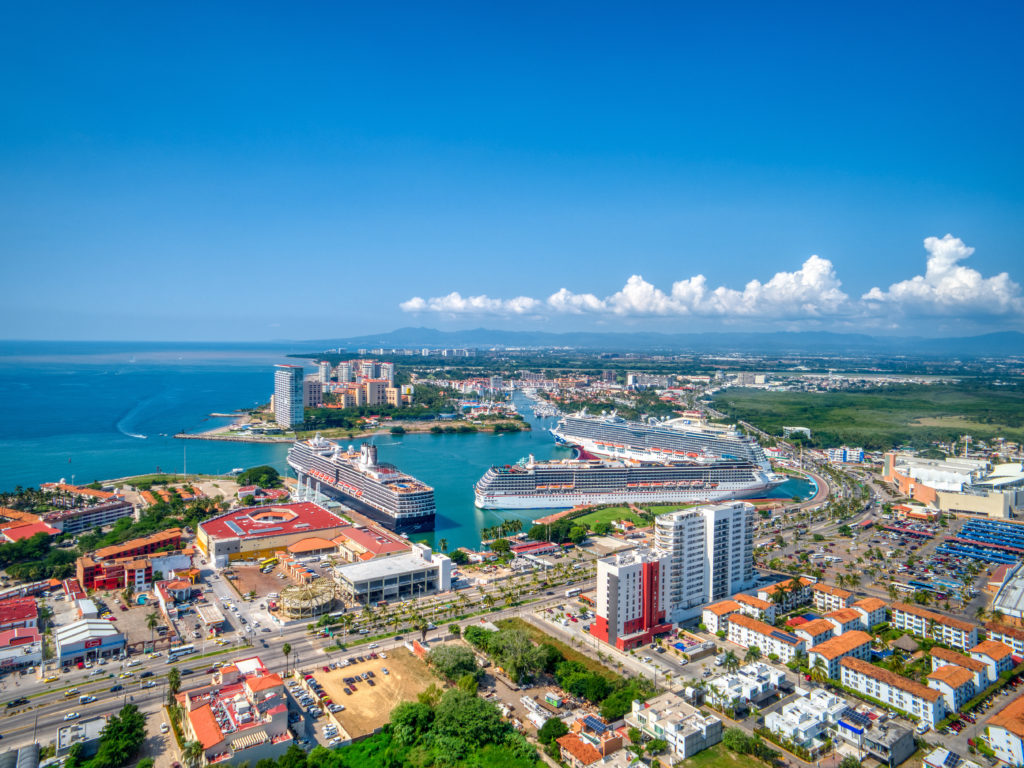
[
  {"x": 753, "y": 654},
  {"x": 501, "y": 546},
  {"x": 454, "y": 629},
  {"x": 173, "y": 684},
  {"x": 152, "y": 621},
  {"x": 453, "y": 661},
  {"x": 552, "y": 730},
  {"x": 286, "y": 649},
  {"x": 192, "y": 754},
  {"x": 410, "y": 720}
]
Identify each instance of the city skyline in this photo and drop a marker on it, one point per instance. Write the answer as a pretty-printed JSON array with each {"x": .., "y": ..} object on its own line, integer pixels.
[{"x": 680, "y": 169}]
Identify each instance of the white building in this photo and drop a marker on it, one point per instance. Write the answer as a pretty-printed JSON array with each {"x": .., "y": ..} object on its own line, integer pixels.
[
  {"x": 632, "y": 598},
  {"x": 288, "y": 393},
  {"x": 788, "y": 594},
  {"x": 828, "y": 598},
  {"x": 668, "y": 717},
  {"x": 750, "y": 684},
  {"x": 711, "y": 555},
  {"x": 750, "y": 633},
  {"x": 399, "y": 577},
  {"x": 997, "y": 657},
  {"x": 893, "y": 690},
  {"x": 324, "y": 371},
  {"x": 942, "y": 657},
  {"x": 716, "y": 616},
  {"x": 955, "y": 683},
  {"x": 872, "y": 612},
  {"x": 1010, "y": 636},
  {"x": 845, "y": 455},
  {"x": 756, "y": 607},
  {"x": 855, "y": 644},
  {"x": 815, "y": 631},
  {"x": 805, "y": 719},
  {"x": 21, "y": 647},
  {"x": 943, "y": 629},
  {"x": 1006, "y": 732},
  {"x": 844, "y": 620}
]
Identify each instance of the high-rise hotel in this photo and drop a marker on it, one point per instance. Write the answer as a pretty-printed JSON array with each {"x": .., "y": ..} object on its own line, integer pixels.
[
  {"x": 288, "y": 411},
  {"x": 700, "y": 555}
]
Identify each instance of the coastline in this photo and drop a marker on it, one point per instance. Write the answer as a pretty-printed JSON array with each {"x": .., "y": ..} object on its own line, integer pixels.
[{"x": 225, "y": 433}]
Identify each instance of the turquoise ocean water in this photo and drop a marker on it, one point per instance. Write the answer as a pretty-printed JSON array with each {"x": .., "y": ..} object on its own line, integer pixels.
[{"x": 85, "y": 412}]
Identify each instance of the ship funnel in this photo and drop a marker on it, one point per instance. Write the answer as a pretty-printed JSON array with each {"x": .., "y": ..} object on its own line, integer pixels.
[{"x": 368, "y": 455}]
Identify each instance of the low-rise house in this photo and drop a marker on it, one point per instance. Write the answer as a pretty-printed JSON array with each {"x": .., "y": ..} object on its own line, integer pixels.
[
  {"x": 887, "y": 742},
  {"x": 815, "y": 631},
  {"x": 669, "y": 717},
  {"x": 997, "y": 657},
  {"x": 805, "y": 720},
  {"x": 844, "y": 620},
  {"x": 750, "y": 684},
  {"x": 716, "y": 616},
  {"x": 750, "y": 633},
  {"x": 855, "y": 644},
  {"x": 872, "y": 612},
  {"x": 755, "y": 607},
  {"x": 829, "y": 598},
  {"x": 893, "y": 690},
  {"x": 589, "y": 740},
  {"x": 939, "y": 627},
  {"x": 1006, "y": 732},
  {"x": 955, "y": 683},
  {"x": 979, "y": 670}
]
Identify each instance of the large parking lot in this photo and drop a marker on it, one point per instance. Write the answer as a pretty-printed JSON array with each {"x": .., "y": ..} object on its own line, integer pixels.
[{"x": 369, "y": 706}]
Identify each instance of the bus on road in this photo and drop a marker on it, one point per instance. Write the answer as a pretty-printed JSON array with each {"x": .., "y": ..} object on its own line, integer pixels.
[
  {"x": 573, "y": 592},
  {"x": 176, "y": 653}
]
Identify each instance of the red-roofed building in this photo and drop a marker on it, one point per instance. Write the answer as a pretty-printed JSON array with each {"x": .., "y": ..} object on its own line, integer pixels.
[
  {"x": 997, "y": 657},
  {"x": 21, "y": 647},
  {"x": 240, "y": 716},
  {"x": 27, "y": 531},
  {"x": 254, "y": 532},
  {"x": 358, "y": 542},
  {"x": 16, "y": 612}
]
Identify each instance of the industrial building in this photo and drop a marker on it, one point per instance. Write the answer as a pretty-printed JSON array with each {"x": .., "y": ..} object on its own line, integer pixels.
[{"x": 87, "y": 639}]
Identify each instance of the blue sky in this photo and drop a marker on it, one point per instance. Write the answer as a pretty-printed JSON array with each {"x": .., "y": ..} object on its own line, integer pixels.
[{"x": 255, "y": 171}]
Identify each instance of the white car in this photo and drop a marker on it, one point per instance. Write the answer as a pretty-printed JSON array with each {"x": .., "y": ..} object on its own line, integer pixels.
[
  {"x": 71, "y": 716},
  {"x": 382, "y": 655},
  {"x": 373, "y": 645},
  {"x": 164, "y": 727}
]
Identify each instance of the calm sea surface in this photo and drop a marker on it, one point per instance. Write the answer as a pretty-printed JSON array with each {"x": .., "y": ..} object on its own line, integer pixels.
[{"x": 85, "y": 412}]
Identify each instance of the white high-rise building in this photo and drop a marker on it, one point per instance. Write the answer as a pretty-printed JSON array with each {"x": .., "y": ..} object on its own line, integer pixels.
[
  {"x": 344, "y": 373},
  {"x": 700, "y": 556},
  {"x": 288, "y": 390},
  {"x": 387, "y": 371},
  {"x": 325, "y": 371}
]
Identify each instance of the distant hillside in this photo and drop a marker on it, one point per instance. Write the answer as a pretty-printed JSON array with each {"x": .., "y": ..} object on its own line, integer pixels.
[{"x": 813, "y": 342}]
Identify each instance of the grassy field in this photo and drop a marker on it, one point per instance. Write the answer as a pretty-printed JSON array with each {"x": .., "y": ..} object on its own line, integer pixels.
[
  {"x": 571, "y": 654},
  {"x": 719, "y": 757},
  {"x": 608, "y": 515},
  {"x": 886, "y": 416}
]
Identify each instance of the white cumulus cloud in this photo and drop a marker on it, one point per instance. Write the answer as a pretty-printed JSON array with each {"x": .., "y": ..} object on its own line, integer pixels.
[
  {"x": 949, "y": 288},
  {"x": 456, "y": 304}
]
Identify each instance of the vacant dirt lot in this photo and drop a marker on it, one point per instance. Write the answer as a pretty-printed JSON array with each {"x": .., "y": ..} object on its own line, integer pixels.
[
  {"x": 250, "y": 579},
  {"x": 369, "y": 708}
]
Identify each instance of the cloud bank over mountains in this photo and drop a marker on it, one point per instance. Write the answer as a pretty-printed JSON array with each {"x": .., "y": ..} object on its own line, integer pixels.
[{"x": 946, "y": 289}]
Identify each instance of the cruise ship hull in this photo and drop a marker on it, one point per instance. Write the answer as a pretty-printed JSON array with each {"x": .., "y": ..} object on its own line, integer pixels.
[
  {"x": 569, "y": 500},
  {"x": 420, "y": 524}
]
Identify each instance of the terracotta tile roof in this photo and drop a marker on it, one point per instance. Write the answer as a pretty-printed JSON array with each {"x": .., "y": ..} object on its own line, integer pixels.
[
  {"x": 264, "y": 682},
  {"x": 171, "y": 536},
  {"x": 756, "y": 602},
  {"x": 869, "y": 604},
  {"x": 1017, "y": 633},
  {"x": 1011, "y": 717},
  {"x": 828, "y": 589},
  {"x": 993, "y": 649},
  {"x": 204, "y": 725},
  {"x": 312, "y": 544},
  {"x": 723, "y": 607},
  {"x": 938, "y": 618},
  {"x": 582, "y": 751},
  {"x": 952, "y": 657},
  {"x": 890, "y": 678},
  {"x": 835, "y": 647},
  {"x": 843, "y": 615},
  {"x": 952, "y": 675},
  {"x": 816, "y": 627},
  {"x": 761, "y": 628},
  {"x": 784, "y": 586}
]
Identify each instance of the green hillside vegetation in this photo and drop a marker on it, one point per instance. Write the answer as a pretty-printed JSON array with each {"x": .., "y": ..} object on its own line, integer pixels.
[{"x": 887, "y": 416}]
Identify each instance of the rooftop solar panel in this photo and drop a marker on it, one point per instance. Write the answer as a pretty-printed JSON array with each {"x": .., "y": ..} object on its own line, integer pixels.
[
  {"x": 594, "y": 724},
  {"x": 784, "y": 636},
  {"x": 951, "y": 759}
]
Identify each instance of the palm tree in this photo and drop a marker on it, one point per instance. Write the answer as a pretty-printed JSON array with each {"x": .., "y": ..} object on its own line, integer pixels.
[
  {"x": 753, "y": 654},
  {"x": 286, "y": 649},
  {"x": 193, "y": 754},
  {"x": 443, "y": 545},
  {"x": 173, "y": 684},
  {"x": 731, "y": 662},
  {"x": 819, "y": 672},
  {"x": 854, "y": 580},
  {"x": 488, "y": 600},
  {"x": 841, "y": 580},
  {"x": 980, "y": 613},
  {"x": 152, "y": 620},
  {"x": 893, "y": 592}
]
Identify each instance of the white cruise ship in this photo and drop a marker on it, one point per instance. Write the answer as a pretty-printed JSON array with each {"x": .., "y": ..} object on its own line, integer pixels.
[
  {"x": 572, "y": 482},
  {"x": 676, "y": 440}
]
